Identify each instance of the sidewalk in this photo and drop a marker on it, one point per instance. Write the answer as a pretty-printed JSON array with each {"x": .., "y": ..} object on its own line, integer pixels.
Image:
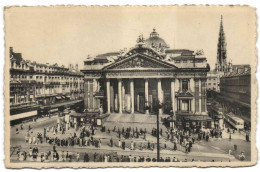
[{"x": 163, "y": 153}]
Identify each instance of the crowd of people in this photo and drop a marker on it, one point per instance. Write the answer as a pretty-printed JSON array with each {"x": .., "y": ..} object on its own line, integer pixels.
[
  {"x": 64, "y": 156},
  {"x": 132, "y": 138}
]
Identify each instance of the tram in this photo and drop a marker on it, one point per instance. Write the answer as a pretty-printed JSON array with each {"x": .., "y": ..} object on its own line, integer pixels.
[{"x": 234, "y": 121}]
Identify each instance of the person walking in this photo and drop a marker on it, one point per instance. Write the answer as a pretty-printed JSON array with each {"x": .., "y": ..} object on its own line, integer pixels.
[
  {"x": 247, "y": 137},
  {"x": 111, "y": 142},
  {"x": 119, "y": 143},
  {"x": 77, "y": 157}
]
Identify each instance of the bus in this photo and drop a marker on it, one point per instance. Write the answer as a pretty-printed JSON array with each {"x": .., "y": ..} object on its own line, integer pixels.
[{"x": 234, "y": 121}]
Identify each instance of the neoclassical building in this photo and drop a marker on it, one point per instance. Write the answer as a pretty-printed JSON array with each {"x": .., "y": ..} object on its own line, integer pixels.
[{"x": 148, "y": 78}]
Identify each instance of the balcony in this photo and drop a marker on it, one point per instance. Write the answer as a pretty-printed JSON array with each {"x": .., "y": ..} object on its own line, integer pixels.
[{"x": 55, "y": 83}]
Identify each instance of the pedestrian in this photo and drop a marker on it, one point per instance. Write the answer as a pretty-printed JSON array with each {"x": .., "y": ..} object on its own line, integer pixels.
[
  {"x": 77, "y": 156},
  {"x": 132, "y": 145},
  {"x": 235, "y": 147},
  {"x": 119, "y": 144},
  {"x": 99, "y": 143},
  {"x": 175, "y": 146},
  {"x": 229, "y": 152},
  {"x": 111, "y": 142},
  {"x": 247, "y": 137},
  {"x": 242, "y": 156}
]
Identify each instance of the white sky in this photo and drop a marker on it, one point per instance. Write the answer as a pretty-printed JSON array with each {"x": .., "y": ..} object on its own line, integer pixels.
[{"x": 67, "y": 35}]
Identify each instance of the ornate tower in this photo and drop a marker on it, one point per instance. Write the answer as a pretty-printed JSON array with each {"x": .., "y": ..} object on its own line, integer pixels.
[{"x": 222, "y": 51}]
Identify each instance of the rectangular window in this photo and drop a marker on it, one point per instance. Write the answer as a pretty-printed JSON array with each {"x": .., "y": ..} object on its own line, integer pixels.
[{"x": 185, "y": 85}]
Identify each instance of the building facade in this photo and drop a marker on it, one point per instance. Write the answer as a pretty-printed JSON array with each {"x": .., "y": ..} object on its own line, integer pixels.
[
  {"x": 36, "y": 87},
  {"x": 235, "y": 92},
  {"x": 213, "y": 79},
  {"x": 149, "y": 78}
]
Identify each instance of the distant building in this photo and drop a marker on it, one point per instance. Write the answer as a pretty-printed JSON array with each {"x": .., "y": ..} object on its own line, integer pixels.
[
  {"x": 213, "y": 79},
  {"x": 41, "y": 88},
  {"x": 235, "y": 91},
  {"x": 221, "y": 65}
]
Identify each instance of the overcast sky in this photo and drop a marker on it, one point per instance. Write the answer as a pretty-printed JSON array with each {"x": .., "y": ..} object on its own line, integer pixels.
[{"x": 67, "y": 35}]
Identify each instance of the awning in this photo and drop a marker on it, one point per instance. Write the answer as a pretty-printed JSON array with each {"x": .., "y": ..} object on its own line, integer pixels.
[
  {"x": 63, "y": 97},
  {"x": 69, "y": 103},
  {"x": 23, "y": 115},
  {"x": 197, "y": 118},
  {"x": 78, "y": 115},
  {"x": 68, "y": 97}
]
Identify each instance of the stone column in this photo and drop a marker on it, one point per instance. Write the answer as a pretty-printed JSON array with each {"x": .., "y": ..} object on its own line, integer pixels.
[
  {"x": 108, "y": 95},
  {"x": 192, "y": 88},
  {"x": 86, "y": 94},
  {"x": 120, "y": 95},
  {"x": 137, "y": 102},
  {"x": 123, "y": 97},
  {"x": 173, "y": 95},
  {"x": 180, "y": 84},
  {"x": 91, "y": 97},
  {"x": 112, "y": 97},
  {"x": 200, "y": 96},
  {"x": 132, "y": 95},
  {"x": 146, "y": 90},
  {"x": 177, "y": 85},
  {"x": 160, "y": 96}
]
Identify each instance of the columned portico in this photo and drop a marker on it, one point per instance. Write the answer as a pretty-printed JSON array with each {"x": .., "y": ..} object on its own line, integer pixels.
[{"x": 144, "y": 81}]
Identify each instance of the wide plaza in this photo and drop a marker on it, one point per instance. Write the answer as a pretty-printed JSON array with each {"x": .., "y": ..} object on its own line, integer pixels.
[{"x": 215, "y": 149}]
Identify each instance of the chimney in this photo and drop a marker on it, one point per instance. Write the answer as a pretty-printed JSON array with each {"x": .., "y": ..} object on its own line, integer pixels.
[
  {"x": 76, "y": 67},
  {"x": 11, "y": 51}
]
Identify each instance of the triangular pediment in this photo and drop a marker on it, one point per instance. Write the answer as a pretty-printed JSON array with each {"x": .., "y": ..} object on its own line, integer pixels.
[{"x": 140, "y": 61}]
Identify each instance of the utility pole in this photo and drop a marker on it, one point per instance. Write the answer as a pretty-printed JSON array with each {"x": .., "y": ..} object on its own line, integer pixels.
[{"x": 158, "y": 139}]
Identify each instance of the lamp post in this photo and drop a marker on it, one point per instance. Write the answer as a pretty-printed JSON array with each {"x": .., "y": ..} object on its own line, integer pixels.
[{"x": 158, "y": 139}]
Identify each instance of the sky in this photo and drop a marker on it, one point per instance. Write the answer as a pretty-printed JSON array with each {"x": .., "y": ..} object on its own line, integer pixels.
[{"x": 67, "y": 35}]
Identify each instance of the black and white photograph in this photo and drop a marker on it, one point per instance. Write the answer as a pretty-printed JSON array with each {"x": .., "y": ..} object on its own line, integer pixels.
[{"x": 130, "y": 86}]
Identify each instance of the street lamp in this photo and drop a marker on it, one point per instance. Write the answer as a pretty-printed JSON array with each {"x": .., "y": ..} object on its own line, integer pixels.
[
  {"x": 158, "y": 139},
  {"x": 158, "y": 129}
]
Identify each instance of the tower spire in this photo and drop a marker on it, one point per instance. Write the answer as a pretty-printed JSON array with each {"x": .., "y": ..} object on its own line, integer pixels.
[{"x": 221, "y": 52}]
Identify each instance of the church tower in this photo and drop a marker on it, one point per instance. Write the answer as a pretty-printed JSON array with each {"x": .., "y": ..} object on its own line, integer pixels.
[{"x": 221, "y": 64}]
